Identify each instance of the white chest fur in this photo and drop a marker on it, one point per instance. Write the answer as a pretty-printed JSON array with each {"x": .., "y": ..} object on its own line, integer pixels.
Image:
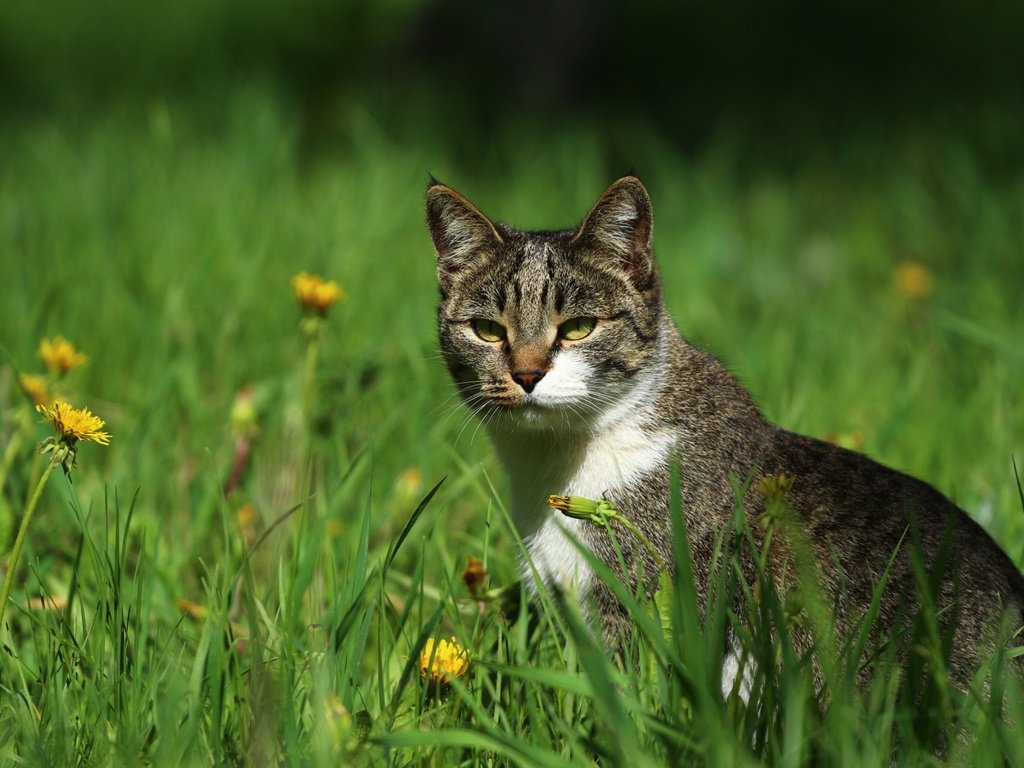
[{"x": 542, "y": 463}]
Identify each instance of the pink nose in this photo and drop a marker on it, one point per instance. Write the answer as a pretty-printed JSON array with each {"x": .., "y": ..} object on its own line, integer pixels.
[{"x": 527, "y": 379}]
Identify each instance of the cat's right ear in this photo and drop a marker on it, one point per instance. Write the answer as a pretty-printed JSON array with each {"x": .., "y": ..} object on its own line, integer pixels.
[
  {"x": 459, "y": 231},
  {"x": 621, "y": 224}
]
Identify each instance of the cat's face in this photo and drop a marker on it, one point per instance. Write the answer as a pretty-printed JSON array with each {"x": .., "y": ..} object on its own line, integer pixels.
[{"x": 547, "y": 329}]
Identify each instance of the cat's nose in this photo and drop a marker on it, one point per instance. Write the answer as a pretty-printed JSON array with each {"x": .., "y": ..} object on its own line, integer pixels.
[{"x": 527, "y": 379}]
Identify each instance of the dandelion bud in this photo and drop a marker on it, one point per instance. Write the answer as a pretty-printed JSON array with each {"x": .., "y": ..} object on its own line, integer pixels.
[
  {"x": 774, "y": 488},
  {"x": 474, "y": 577},
  {"x": 580, "y": 507}
]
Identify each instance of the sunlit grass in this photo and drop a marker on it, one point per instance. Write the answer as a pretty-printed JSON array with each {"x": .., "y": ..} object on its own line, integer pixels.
[{"x": 165, "y": 614}]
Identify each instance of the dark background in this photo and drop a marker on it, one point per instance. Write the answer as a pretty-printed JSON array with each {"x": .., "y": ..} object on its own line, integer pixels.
[{"x": 784, "y": 77}]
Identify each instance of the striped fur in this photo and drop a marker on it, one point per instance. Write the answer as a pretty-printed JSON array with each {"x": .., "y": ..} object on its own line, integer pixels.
[{"x": 604, "y": 415}]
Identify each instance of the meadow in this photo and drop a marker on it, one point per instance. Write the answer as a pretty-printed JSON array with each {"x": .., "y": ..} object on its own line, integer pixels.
[{"x": 248, "y": 573}]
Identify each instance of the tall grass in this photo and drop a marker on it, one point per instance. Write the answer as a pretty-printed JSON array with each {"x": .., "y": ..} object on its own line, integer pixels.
[{"x": 159, "y": 620}]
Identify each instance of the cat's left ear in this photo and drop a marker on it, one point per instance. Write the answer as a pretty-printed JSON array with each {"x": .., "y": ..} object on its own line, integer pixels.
[
  {"x": 622, "y": 222},
  {"x": 459, "y": 231}
]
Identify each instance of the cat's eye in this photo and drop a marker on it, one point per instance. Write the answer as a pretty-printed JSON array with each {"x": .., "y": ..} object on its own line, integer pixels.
[
  {"x": 489, "y": 331},
  {"x": 577, "y": 328}
]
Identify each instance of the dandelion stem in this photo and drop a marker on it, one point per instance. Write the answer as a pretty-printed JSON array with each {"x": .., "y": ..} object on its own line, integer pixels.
[
  {"x": 19, "y": 542},
  {"x": 632, "y": 528},
  {"x": 309, "y": 380}
]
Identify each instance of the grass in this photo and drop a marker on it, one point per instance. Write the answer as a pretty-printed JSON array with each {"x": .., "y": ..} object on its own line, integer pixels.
[{"x": 281, "y": 623}]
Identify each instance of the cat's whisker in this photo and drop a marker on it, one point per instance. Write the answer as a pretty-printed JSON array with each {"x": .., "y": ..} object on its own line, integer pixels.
[
  {"x": 476, "y": 408},
  {"x": 464, "y": 393},
  {"x": 481, "y": 423},
  {"x": 474, "y": 405},
  {"x": 470, "y": 418},
  {"x": 447, "y": 407}
]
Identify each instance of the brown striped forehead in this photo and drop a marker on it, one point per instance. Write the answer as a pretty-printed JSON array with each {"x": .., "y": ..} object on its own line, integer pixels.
[
  {"x": 535, "y": 279},
  {"x": 529, "y": 287},
  {"x": 517, "y": 278}
]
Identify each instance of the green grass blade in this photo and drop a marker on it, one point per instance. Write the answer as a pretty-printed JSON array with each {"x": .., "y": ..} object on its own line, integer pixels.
[{"x": 396, "y": 544}]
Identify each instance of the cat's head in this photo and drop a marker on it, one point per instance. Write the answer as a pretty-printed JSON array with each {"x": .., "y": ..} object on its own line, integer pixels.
[{"x": 552, "y": 328}]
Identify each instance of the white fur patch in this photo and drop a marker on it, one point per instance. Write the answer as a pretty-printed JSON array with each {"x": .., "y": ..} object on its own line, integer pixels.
[
  {"x": 731, "y": 670},
  {"x": 613, "y": 459},
  {"x": 566, "y": 381},
  {"x": 560, "y": 393},
  {"x": 618, "y": 456},
  {"x": 570, "y": 449},
  {"x": 618, "y": 224},
  {"x": 557, "y": 559}
]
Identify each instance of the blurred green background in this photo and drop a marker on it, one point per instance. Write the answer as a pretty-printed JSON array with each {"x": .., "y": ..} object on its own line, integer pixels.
[{"x": 165, "y": 168}]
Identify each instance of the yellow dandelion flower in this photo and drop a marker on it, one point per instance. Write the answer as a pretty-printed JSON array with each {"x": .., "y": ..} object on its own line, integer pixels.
[
  {"x": 74, "y": 424},
  {"x": 35, "y": 387},
  {"x": 409, "y": 483},
  {"x": 774, "y": 488},
  {"x": 60, "y": 354},
  {"x": 443, "y": 661},
  {"x": 913, "y": 280},
  {"x": 316, "y": 294}
]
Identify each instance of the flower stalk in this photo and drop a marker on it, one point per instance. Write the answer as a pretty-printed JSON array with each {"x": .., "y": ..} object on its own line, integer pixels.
[
  {"x": 19, "y": 542},
  {"x": 309, "y": 370},
  {"x": 774, "y": 490},
  {"x": 315, "y": 296}
]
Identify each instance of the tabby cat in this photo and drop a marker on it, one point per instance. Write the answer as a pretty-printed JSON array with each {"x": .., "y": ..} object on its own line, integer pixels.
[{"x": 560, "y": 342}]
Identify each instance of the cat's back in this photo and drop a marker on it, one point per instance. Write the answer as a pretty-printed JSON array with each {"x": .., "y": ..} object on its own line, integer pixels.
[
  {"x": 854, "y": 512},
  {"x": 845, "y": 501},
  {"x": 853, "y": 505},
  {"x": 869, "y": 525}
]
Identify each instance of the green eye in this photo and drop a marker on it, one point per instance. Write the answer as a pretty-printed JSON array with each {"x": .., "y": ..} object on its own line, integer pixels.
[
  {"x": 577, "y": 328},
  {"x": 489, "y": 331}
]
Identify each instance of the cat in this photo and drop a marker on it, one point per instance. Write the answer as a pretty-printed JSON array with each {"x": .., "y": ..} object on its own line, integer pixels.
[{"x": 560, "y": 342}]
